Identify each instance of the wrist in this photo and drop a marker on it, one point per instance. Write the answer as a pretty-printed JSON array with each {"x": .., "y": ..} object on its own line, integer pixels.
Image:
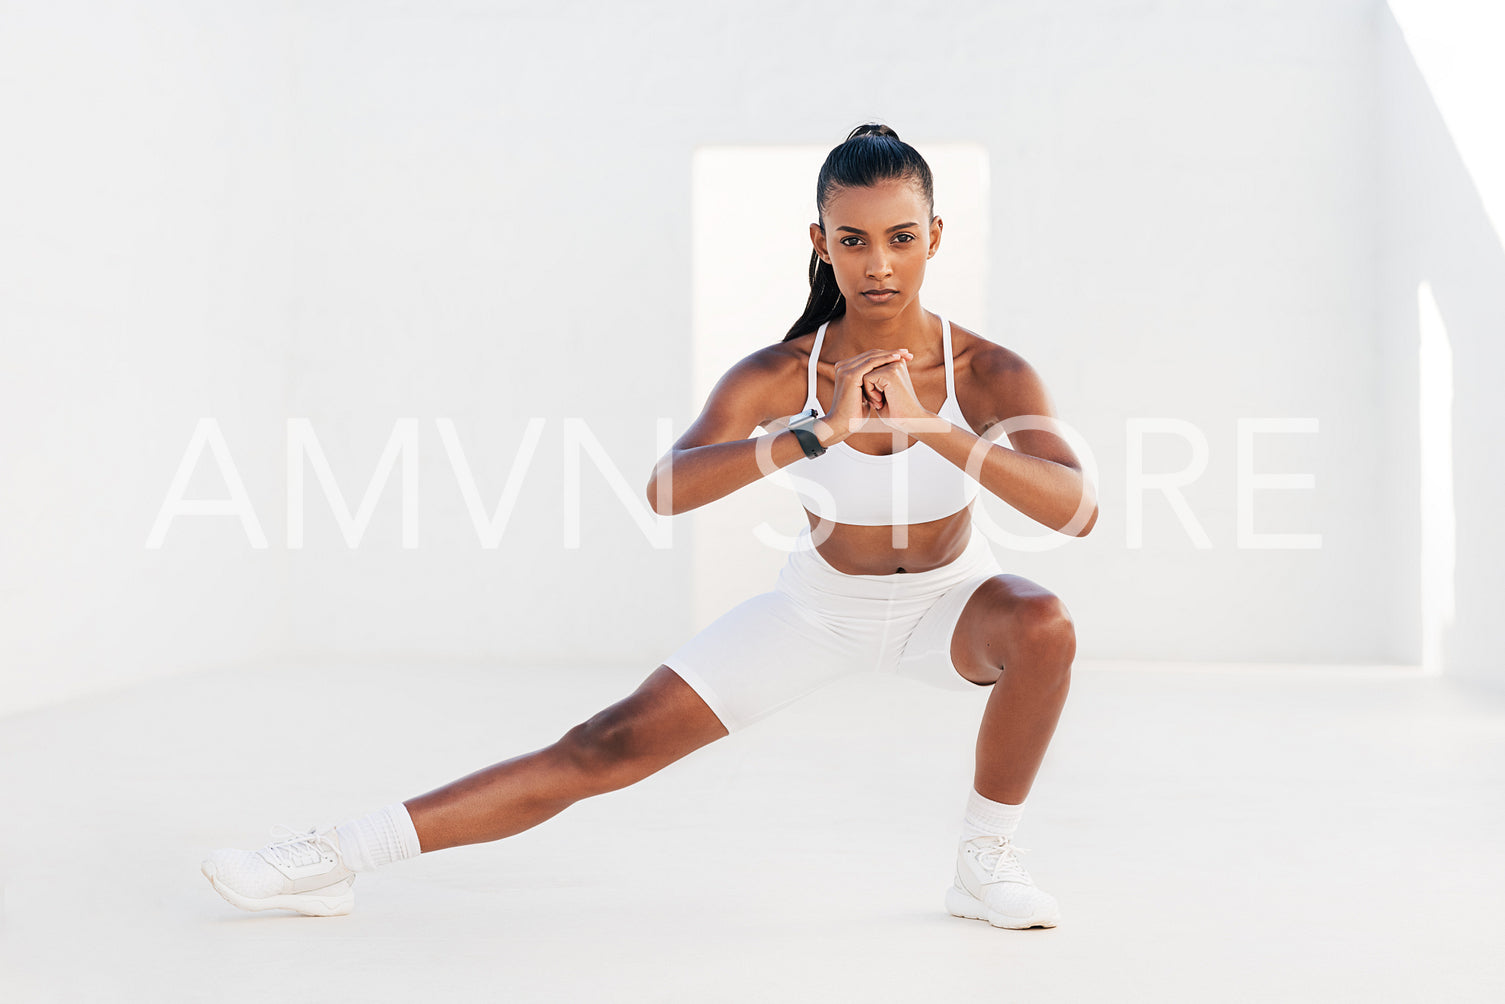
[
  {"x": 829, "y": 433},
  {"x": 926, "y": 423}
]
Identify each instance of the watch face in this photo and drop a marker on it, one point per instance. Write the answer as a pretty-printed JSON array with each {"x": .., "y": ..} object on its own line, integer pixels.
[{"x": 803, "y": 420}]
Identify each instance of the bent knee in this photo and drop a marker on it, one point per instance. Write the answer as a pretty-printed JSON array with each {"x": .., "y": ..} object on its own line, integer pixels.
[{"x": 1043, "y": 623}]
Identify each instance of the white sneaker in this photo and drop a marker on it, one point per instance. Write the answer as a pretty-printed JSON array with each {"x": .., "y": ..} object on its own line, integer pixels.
[
  {"x": 299, "y": 871},
  {"x": 992, "y": 885}
]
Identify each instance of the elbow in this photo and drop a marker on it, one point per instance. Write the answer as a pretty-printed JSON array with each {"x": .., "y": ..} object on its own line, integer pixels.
[
  {"x": 1086, "y": 527},
  {"x": 661, "y": 489},
  {"x": 658, "y": 504},
  {"x": 1087, "y": 503}
]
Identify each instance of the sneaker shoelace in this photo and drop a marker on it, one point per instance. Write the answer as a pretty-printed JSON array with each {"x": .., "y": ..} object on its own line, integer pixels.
[
  {"x": 1001, "y": 855},
  {"x": 293, "y": 848}
]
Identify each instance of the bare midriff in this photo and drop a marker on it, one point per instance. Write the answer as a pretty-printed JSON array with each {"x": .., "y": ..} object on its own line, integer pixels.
[{"x": 870, "y": 550}]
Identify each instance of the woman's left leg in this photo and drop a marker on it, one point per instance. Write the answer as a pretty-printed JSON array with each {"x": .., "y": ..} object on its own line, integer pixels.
[{"x": 1017, "y": 636}]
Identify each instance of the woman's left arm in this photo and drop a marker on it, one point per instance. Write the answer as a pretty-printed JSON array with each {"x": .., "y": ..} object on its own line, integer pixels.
[{"x": 1040, "y": 476}]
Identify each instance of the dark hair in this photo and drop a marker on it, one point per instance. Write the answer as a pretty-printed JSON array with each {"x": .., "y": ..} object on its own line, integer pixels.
[{"x": 870, "y": 154}]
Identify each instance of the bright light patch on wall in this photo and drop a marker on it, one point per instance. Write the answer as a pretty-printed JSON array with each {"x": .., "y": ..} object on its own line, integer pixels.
[
  {"x": 752, "y": 208},
  {"x": 1438, "y": 523},
  {"x": 1456, "y": 45}
]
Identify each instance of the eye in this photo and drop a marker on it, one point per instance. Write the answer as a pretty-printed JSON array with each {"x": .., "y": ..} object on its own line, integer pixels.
[
  {"x": 908, "y": 238},
  {"x": 845, "y": 239}
]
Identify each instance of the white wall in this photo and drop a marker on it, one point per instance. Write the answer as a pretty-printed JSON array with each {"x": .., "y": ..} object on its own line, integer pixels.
[
  {"x": 145, "y": 186},
  {"x": 355, "y": 214},
  {"x": 1185, "y": 216},
  {"x": 1444, "y": 195}
]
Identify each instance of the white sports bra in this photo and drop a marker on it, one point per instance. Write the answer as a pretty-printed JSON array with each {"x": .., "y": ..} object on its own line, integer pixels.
[{"x": 913, "y": 485}]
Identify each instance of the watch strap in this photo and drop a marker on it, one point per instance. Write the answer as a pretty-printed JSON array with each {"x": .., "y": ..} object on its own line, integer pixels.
[{"x": 808, "y": 442}]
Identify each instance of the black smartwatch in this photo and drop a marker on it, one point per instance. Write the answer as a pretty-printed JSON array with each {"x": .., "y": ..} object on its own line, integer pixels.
[{"x": 801, "y": 427}]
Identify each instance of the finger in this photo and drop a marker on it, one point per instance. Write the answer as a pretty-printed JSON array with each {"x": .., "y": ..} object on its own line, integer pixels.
[
  {"x": 872, "y": 364},
  {"x": 861, "y": 360}
]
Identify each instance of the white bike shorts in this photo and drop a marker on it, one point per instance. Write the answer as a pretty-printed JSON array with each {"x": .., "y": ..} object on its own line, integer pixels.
[{"x": 818, "y": 625}]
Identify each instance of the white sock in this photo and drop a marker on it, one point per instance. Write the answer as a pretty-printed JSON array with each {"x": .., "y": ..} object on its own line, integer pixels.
[
  {"x": 986, "y": 818},
  {"x": 377, "y": 839}
]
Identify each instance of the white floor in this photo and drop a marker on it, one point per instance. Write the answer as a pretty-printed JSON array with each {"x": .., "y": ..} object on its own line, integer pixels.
[{"x": 1212, "y": 833}]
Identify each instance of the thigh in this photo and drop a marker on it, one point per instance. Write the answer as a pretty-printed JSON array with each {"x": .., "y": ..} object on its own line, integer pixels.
[
  {"x": 1005, "y": 616},
  {"x": 763, "y": 654}
]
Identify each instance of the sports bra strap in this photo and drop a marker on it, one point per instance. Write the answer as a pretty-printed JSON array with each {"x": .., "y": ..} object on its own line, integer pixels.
[
  {"x": 811, "y": 401},
  {"x": 946, "y": 345}
]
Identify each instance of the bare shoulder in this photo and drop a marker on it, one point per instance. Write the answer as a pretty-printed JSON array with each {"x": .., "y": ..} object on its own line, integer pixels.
[
  {"x": 983, "y": 359},
  {"x": 764, "y": 384},
  {"x": 994, "y": 382},
  {"x": 774, "y": 366},
  {"x": 781, "y": 359}
]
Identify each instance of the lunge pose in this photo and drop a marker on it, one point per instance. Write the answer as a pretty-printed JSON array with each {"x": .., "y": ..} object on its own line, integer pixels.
[{"x": 879, "y": 410}]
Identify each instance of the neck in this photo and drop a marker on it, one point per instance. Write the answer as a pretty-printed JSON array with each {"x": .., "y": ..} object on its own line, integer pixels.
[{"x": 857, "y": 330}]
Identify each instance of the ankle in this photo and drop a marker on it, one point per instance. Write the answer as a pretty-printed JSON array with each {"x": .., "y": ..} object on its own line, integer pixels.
[
  {"x": 378, "y": 838},
  {"x": 987, "y": 818}
]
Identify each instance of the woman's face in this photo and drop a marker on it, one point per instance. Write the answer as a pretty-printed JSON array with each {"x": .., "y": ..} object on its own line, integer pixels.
[{"x": 877, "y": 238}]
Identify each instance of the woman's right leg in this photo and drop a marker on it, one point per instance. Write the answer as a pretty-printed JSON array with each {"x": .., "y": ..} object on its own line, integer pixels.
[
  {"x": 314, "y": 873},
  {"x": 660, "y": 722}
]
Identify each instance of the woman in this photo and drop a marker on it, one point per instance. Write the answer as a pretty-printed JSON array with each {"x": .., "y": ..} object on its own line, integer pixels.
[{"x": 887, "y": 403}]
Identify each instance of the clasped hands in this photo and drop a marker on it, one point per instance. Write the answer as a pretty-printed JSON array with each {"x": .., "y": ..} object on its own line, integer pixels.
[{"x": 875, "y": 387}]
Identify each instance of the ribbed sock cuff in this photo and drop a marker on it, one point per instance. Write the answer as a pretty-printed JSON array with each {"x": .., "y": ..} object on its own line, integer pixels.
[
  {"x": 986, "y": 818},
  {"x": 378, "y": 838},
  {"x": 406, "y": 834}
]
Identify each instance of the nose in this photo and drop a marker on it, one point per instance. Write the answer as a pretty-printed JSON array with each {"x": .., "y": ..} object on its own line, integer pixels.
[{"x": 877, "y": 265}]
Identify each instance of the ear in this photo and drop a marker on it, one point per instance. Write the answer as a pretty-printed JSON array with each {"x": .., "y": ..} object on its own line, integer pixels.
[
  {"x": 818, "y": 238},
  {"x": 935, "y": 236}
]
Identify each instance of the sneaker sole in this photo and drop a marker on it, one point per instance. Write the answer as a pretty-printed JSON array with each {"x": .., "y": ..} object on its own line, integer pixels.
[
  {"x": 961, "y": 903},
  {"x": 311, "y": 904}
]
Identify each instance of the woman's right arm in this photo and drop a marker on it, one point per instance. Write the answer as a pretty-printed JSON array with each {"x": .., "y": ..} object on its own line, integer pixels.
[{"x": 715, "y": 457}]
